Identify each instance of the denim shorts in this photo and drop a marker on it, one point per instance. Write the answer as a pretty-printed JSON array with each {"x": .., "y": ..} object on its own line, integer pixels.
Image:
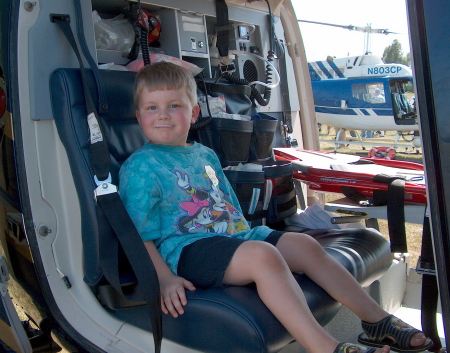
[{"x": 204, "y": 262}]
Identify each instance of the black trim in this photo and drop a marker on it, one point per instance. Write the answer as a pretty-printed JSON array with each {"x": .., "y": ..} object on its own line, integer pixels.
[{"x": 432, "y": 82}]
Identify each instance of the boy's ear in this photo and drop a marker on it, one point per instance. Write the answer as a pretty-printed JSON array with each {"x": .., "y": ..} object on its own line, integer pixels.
[
  {"x": 195, "y": 112},
  {"x": 138, "y": 117}
]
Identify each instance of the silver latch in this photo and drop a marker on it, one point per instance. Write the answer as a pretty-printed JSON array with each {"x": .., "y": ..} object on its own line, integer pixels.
[{"x": 104, "y": 187}]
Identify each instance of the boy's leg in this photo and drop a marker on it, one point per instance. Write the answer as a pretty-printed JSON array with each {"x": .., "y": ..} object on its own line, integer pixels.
[
  {"x": 262, "y": 263},
  {"x": 302, "y": 253}
]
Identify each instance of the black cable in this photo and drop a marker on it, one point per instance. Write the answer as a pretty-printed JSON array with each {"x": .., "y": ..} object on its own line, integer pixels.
[
  {"x": 144, "y": 46},
  {"x": 203, "y": 122},
  {"x": 202, "y": 78},
  {"x": 144, "y": 36},
  {"x": 271, "y": 29},
  {"x": 133, "y": 13}
]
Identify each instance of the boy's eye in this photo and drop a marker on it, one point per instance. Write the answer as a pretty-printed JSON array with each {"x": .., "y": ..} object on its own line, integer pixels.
[
  {"x": 152, "y": 107},
  {"x": 174, "y": 105}
]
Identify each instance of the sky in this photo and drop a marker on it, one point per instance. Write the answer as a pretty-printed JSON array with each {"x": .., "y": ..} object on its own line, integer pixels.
[{"x": 321, "y": 40}]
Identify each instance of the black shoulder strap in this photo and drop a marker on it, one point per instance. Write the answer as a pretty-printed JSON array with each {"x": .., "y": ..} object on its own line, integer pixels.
[
  {"x": 99, "y": 152},
  {"x": 223, "y": 34},
  {"x": 394, "y": 198},
  {"x": 113, "y": 215},
  {"x": 395, "y": 210},
  {"x": 284, "y": 88},
  {"x": 287, "y": 117},
  {"x": 103, "y": 103}
]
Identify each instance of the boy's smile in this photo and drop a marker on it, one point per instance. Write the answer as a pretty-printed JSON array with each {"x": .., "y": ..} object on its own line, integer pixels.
[{"x": 166, "y": 116}]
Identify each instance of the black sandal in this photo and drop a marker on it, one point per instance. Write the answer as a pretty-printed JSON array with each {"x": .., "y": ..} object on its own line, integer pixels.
[
  {"x": 392, "y": 332},
  {"x": 352, "y": 348}
]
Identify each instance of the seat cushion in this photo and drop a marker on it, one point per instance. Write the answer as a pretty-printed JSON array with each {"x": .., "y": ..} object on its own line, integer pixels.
[{"x": 234, "y": 319}]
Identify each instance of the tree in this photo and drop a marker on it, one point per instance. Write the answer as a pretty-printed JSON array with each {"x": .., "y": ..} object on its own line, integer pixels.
[{"x": 393, "y": 54}]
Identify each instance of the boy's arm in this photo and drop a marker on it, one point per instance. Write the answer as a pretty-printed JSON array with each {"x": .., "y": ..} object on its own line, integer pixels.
[{"x": 173, "y": 296}]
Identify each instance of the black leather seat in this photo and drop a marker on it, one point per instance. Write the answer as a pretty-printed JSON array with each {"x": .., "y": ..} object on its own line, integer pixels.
[{"x": 231, "y": 319}]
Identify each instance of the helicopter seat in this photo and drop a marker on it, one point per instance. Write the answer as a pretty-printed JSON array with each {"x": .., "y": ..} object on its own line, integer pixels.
[
  {"x": 230, "y": 319},
  {"x": 403, "y": 111}
]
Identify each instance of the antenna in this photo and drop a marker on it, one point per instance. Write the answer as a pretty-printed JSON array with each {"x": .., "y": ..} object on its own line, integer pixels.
[{"x": 367, "y": 30}]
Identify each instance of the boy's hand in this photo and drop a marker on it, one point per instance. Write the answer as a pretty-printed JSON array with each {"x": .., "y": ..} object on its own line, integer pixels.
[
  {"x": 173, "y": 295},
  {"x": 183, "y": 181}
]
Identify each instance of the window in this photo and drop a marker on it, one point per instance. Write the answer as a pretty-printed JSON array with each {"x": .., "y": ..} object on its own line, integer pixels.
[{"x": 371, "y": 92}]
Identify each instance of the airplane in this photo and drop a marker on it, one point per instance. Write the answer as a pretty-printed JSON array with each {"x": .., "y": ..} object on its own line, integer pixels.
[
  {"x": 70, "y": 280},
  {"x": 346, "y": 93}
]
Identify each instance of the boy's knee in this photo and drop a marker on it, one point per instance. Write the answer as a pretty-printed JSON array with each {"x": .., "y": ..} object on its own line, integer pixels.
[
  {"x": 300, "y": 240},
  {"x": 264, "y": 254}
]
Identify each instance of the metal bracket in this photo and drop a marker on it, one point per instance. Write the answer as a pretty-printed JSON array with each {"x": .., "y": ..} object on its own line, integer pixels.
[{"x": 426, "y": 268}]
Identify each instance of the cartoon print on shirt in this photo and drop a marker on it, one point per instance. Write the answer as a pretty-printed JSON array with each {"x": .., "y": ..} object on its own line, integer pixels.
[{"x": 207, "y": 211}]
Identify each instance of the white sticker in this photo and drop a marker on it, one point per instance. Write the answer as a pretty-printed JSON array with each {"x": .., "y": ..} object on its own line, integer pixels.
[
  {"x": 193, "y": 27},
  {"x": 94, "y": 128},
  {"x": 212, "y": 175},
  {"x": 198, "y": 19}
]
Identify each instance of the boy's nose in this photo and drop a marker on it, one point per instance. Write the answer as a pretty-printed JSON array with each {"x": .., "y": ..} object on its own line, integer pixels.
[{"x": 164, "y": 113}]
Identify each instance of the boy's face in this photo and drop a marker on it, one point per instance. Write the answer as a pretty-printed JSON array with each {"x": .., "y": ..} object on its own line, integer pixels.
[{"x": 166, "y": 116}]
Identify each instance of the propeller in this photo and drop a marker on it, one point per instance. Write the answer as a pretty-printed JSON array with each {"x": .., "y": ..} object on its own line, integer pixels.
[{"x": 368, "y": 30}]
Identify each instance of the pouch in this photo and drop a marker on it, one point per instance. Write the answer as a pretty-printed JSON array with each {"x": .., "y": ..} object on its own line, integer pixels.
[
  {"x": 230, "y": 139},
  {"x": 283, "y": 198},
  {"x": 248, "y": 186},
  {"x": 277, "y": 198},
  {"x": 264, "y": 127}
]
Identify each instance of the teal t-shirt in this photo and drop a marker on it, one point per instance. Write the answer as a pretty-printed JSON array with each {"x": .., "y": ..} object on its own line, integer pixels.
[{"x": 177, "y": 195}]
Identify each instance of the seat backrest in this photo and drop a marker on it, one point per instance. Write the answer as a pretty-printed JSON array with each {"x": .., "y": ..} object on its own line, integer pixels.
[
  {"x": 120, "y": 128},
  {"x": 396, "y": 105}
]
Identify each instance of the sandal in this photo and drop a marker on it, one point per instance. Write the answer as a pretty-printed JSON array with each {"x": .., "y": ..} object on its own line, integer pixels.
[
  {"x": 352, "y": 348},
  {"x": 393, "y": 332}
]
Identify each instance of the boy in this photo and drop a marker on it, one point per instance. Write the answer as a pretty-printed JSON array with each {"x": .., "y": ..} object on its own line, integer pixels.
[{"x": 193, "y": 229}]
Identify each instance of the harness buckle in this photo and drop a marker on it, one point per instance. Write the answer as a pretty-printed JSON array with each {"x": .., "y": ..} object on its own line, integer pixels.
[{"x": 104, "y": 187}]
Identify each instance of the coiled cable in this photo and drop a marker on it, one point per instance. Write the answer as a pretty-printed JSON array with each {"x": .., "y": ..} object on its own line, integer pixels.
[
  {"x": 255, "y": 94},
  {"x": 144, "y": 46}
]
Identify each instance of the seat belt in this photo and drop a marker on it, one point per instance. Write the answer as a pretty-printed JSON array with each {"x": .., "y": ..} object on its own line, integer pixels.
[
  {"x": 284, "y": 88},
  {"x": 102, "y": 101},
  {"x": 394, "y": 198},
  {"x": 112, "y": 214},
  {"x": 223, "y": 31}
]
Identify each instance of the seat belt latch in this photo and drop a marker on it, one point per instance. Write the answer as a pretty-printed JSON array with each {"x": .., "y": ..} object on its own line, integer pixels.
[{"x": 104, "y": 187}]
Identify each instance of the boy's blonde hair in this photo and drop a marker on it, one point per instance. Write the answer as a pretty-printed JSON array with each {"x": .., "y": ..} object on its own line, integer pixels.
[{"x": 162, "y": 76}]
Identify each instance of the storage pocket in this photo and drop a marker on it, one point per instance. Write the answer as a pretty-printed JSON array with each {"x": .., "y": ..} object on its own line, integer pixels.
[
  {"x": 230, "y": 139},
  {"x": 248, "y": 186},
  {"x": 264, "y": 127},
  {"x": 237, "y": 97},
  {"x": 280, "y": 183},
  {"x": 276, "y": 198}
]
